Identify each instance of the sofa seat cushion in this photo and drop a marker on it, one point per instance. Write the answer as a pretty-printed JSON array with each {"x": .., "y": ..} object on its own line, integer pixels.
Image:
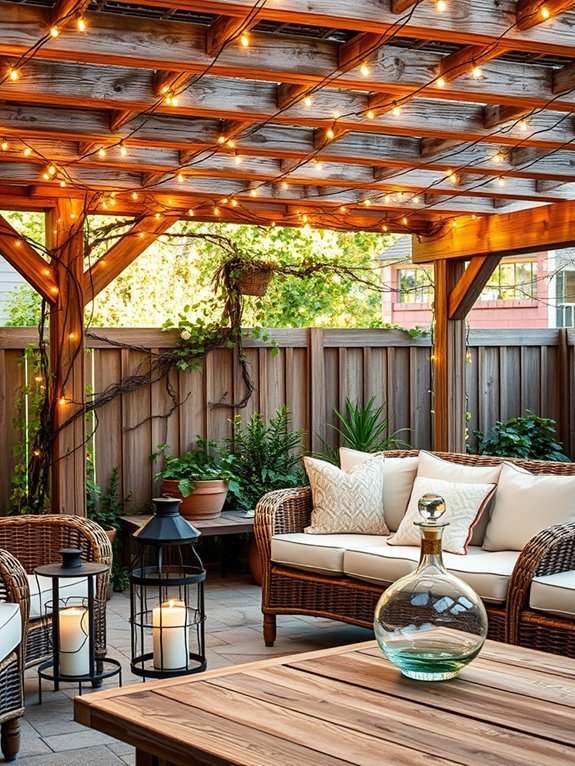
[
  {"x": 41, "y": 593},
  {"x": 554, "y": 594},
  {"x": 10, "y": 628},
  {"x": 487, "y": 573},
  {"x": 319, "y": 553}
]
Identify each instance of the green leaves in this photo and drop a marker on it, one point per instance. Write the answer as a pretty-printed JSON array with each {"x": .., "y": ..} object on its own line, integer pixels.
[
  {"x": 364, "y": 427},
  {"x": 206, "y": 462},
  {"x": 528, "y": 437}
]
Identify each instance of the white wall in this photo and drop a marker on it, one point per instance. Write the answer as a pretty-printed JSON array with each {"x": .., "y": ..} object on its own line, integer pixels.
[{"x": 9, "y": 279}]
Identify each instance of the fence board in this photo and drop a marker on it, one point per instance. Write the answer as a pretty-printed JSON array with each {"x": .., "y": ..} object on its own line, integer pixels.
[{"x": 315, "y": 370}]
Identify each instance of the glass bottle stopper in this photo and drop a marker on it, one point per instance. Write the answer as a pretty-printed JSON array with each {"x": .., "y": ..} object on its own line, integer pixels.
[{"x": 431, "y": 508}]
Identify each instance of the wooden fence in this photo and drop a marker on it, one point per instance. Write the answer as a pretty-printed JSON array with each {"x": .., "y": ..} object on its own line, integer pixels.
[{"x": 314, "y": 371}]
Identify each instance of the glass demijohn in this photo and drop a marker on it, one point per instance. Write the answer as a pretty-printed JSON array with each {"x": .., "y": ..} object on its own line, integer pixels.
[{"x": 429, "y": 623}]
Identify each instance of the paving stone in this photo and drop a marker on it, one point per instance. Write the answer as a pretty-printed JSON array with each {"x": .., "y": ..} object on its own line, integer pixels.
[
  {"x": 79, "y": 739},
  {"x": 90, "y": 756}
]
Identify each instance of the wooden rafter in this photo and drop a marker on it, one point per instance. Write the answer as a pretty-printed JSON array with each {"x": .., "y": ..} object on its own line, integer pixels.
[
  {"x": 27, "y": 262},
  {"x": 226, "y": 30},
  {"x": 123, "y": 253},
  {"x": 531, "y": 13},
  {"x": 65, "y": 12}
]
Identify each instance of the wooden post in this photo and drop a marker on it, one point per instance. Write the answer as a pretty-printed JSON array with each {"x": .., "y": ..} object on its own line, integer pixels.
[
  {"x": 448, "y": 363},
  {"x": 64, "y": 227}
]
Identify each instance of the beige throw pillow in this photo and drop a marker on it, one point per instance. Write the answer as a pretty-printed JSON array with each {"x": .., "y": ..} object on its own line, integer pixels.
[
  {"x": 350, "y": 501},
  {"x": 398, "y": 477},
  {"x": 464, "y": 504},
  {"x": 436, "y": 468},
  {"x": 525, "y": 504}
]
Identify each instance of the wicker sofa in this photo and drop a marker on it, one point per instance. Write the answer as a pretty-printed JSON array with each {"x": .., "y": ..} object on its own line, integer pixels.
[
  {"x": 35, "y": 540},
  {"x": 547, "y": 561}
]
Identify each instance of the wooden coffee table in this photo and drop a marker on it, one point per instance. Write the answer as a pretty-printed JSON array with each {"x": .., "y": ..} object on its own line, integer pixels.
[{"x": 349, "y": 706}]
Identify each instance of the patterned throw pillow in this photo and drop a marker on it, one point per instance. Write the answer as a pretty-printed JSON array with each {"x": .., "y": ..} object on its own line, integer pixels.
[
  {"x": 349, "y": 502},
  {"x": 464, "y": 504}
]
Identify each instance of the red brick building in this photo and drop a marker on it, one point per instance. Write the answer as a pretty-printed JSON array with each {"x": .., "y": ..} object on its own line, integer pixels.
[{"x": 517, "y": 295}]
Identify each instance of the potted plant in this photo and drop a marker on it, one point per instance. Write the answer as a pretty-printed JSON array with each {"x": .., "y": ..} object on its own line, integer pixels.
[
  {"x": 201, "y": 477},
  {"x": 106, "y": 509},
  {"x": 249, "y": 275}
]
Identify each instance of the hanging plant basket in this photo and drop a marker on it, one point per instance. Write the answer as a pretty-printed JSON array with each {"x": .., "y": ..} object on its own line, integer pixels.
[{"x": 255, "y": 282}]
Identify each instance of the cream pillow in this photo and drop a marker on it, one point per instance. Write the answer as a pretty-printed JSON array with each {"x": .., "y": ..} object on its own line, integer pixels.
[
  {"x": 436, "y": 468},
  {"x": 350, "y": 501},
  {"x": 464, "y": 504},
  {"x": 525, "y": 504},
  {"x": 398, "y": 477}
]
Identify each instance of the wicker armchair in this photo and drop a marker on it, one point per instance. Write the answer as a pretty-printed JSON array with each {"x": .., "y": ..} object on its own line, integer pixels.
[
  {"x": 35, "y": 540},
  {"x": 13, "y": 589},
  {"x": 287, "y": 590}
]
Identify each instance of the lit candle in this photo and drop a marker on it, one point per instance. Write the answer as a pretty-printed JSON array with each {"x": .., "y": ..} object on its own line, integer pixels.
[
  {"x": 74, "y": 641},
  {"x": 170, "y": 633}
]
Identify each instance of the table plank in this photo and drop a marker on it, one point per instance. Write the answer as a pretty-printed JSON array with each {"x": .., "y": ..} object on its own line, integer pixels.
[
  {"x": 228, "y": 523},
  {"x": 172, "y": 729},
  {"x": 519, "y": 712},
  {"x": 291, "y": 727},
  {"x": 445, "y": 733}
]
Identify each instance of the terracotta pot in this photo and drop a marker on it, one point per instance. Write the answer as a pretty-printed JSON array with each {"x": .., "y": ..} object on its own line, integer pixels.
[
  {"x": 255, "y": 282},
  {"x": 205, "y": 502}
]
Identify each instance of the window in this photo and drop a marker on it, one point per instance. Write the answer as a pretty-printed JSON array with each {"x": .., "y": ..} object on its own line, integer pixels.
[
  {"x": 415, "y": 286},
  {"x": 512, "y": 281},
  {"x": 565, "y": 291}
]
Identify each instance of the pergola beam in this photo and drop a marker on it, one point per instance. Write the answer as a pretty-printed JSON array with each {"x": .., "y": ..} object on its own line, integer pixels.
[
  {"x": 27, "y": 262},
  {"x": 471, "y": 284},
  {"x": 531, "y": 13},
  {"x": 131, "y": 245},
  {"x": 550, "y": 227}
]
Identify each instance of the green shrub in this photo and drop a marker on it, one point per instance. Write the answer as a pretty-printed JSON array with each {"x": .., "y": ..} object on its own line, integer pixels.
[
  {"x": 528, "y": 436},
  {"x": 267, "y": 456}
]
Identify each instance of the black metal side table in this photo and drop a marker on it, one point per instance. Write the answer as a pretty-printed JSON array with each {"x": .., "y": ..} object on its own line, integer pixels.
[{"x": 74, "y": 627}]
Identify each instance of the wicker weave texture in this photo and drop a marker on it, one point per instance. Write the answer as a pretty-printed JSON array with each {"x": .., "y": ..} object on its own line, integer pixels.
[
  {"x": 36, "y": 540},
  {"x": 291, "y": 591}
]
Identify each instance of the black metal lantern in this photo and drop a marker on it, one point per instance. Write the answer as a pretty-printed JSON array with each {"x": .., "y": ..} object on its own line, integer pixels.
[
  {"x": 167, "y": 596},
  {"x": 73, "y": 613}
]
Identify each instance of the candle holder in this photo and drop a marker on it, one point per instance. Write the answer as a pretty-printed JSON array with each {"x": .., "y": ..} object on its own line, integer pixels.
[
  {"x": 74, "y": 625},
  {"x": 167, "y": 596}
]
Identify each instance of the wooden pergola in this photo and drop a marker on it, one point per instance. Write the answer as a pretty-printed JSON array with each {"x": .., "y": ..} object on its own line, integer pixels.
[{"x": 447, "y": 119}]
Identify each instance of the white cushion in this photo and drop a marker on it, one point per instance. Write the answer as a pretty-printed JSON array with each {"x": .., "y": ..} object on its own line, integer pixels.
[
  {"x": 10, "y": 628},
  {"x": 349, "y": 502},
  {"x": 464, "y": 504},
  {"x": 525, "y": 504},
  {"x": 398, "y": 476},
  {"x": 41, "y": 593},
  {"x": 318, "y": 553},
  {"x": 554, "y": 594},
  {"x": 436, "y": 468},
  {"x": 487, "y": 573}
]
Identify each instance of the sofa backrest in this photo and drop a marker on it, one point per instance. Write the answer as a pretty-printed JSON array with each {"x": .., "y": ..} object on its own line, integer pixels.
[{"x": 534, "y": 466}]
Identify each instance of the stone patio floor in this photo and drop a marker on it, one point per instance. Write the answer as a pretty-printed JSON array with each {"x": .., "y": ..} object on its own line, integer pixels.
[{"x": 50, "y": 737}]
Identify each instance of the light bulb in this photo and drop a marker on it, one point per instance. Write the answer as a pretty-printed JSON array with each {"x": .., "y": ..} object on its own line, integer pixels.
[
  {"x": 253, "y": 193},
  {"x": 51, "y": 170},
  {"x": 384, "y": 227},
  {"x": 216, "y": 211},
  {"x": 404, "y": 220},
  {"x": 238, "y": 159},
  {"x": 234, "y": 203},
  {"x": 180, "y": 178},
  {"x": 4, "y": 145},
  {"x": 336, "y": 114},
  {"x": 81, "y": 24},
  {"x": 191, "y": 212},
  {"x": 476, "y": 72},
  {"x": 222, "y": 140},
  {"x": 440, "y": 82},
  {"x": 545, "y": 12},
  {"x": 370, "y": 114},
  {"x": 27, "y": 151},
  {"x": 285, "y": 185},
  {"x": 367, "y": 202},
  {"x": 501, "y": 181},
  {"x": 13, "y": 74},
  {"x": 440, "y": 6},
  {"x": 396, "y": 110},
  {"x": 134, "y": 196},
  {"x": 54, "y": 31},
  {"x": 101, "y": 152},
  {"x": 365, "y": 70},
  {"x": 230, "y": 143},
  {"x": 522, "y": 125},
  {"x": 330, "y": 134},
  {"x": 307, "y": 101},
  {"x": 416, "y": 200},
  {"x": 245, "y": 40},
  {"x": 123, "y": 150}
]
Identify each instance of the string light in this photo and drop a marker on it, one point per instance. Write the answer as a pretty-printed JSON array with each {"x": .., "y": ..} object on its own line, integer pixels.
[
  {"x": 13, "y": 74},
  {"x": 440, "y": 82},
  {"x": 230, "y": 143},
  {"x": 501, "y": 181},
  {"x": 191, "y": 212},
  {"x": 343, "y": 209},
  {"x": 384, "y": 227},
  {"x": 416, "y": 200},
  {"x": 440, "y": 6},
  {"x": 245, "y": 40},
  {"x": 452, "y": 176},
  {"x": 367, "y": 202},
  {"x": 180, "y": 178},
  {"x": 171, "y": 100},
  {"x": 307, "y": 100},
  {"x": 330, "y": 134},
  {"x": 27, "y": 151},
  {"x": 102, "y": 152},
  {"x": 61, "y": 401},
  {"x": 234, "y": 203},
  {"x": 63, "y": 184},
  {"x": 318, "y": 165},
  {"x": 336, "y": 114},
  {"x": 370, "y": 114},
  {"x": 237, "y": 159},
  {"x": 364, "y": 69},
  {"x": 545, "y": 13},
  {"x": 285, "y": 185},
  {"x": 498, "y": 157},
  {"x": 396, "y": 110},
  {"x": 4, "y": 145},
  {"x": 81, "y": 24},
  {"x": 253, "y": 193},
  {"x": 222, "y": 140},
  {"x": 51, "y": 170},
  {"x": 123, "y": 150},
  {"x": 522, "y": 125},
  {"x": 134, "y": 195},
  {"x": 476, "y": 72},
  {"x": 404, "y": 220},
  {"x": 54, "y": 32},
  {"x": 216, "y": 211}
]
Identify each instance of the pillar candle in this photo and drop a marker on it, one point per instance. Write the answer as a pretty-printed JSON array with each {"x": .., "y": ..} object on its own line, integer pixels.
[
  {"x": 170, "y": 634},
  {"x": 74, "y": 641}
]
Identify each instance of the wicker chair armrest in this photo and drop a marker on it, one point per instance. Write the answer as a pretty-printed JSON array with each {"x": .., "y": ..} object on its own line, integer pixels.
[
  {"x": 281, "y": 512},
  {"x": 551, "y": 551},
  {"x": 15, "y": 589}
]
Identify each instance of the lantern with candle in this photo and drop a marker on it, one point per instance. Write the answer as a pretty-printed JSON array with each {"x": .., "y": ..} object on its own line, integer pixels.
[
  {"x": 167, "y": 596},
  {"x": 73, "y": 623}
]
